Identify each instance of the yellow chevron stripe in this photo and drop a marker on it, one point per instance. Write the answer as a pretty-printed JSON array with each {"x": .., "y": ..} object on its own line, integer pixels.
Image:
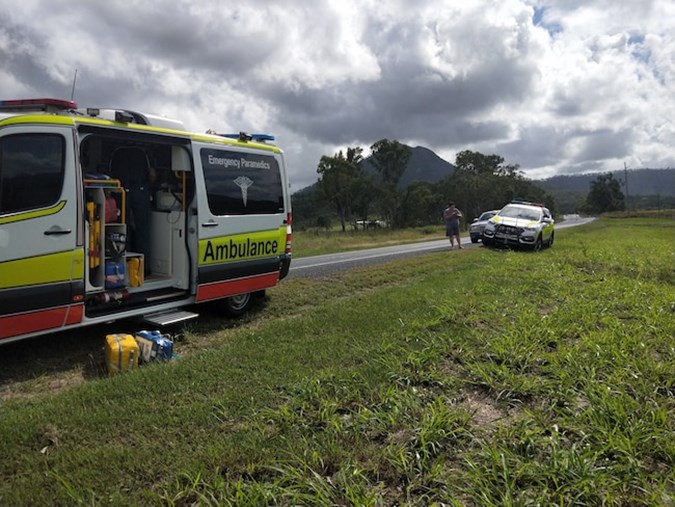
[{"x": 28, "y": 215}]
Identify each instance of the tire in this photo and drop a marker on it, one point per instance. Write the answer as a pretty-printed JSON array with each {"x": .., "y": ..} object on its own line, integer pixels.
[
  {"x": 234, "y": 306},
  {"x": 549, "y": 243},
  {"x": 474, "y": 239},
  {"x": 538, "y": 244},
  {"x": 487, "y": 242}
]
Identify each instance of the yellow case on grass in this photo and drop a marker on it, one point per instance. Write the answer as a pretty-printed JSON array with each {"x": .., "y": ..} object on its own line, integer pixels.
[{"x": 121, "y": 353}]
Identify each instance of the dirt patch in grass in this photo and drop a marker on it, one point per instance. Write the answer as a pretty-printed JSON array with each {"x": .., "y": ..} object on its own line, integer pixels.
[{"x": 486, "y": 413}]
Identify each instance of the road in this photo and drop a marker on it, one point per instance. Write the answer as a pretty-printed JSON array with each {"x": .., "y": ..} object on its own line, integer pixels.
[{"x": 321, "y": 265}]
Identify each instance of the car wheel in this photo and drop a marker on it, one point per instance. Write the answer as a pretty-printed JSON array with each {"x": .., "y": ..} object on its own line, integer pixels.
[
  {"x": 549, "y": 243},
  {"x": 537, "y": 244},
  {"x": 487, "y": 242},
  {"x": 238, "y": 305},
  {"x": 474, "y": 239}
]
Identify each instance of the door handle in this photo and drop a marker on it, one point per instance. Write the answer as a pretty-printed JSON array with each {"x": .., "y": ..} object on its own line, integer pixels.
[
  {"x": 210, "y": 223},
  {"x": 57, "y": 231}
]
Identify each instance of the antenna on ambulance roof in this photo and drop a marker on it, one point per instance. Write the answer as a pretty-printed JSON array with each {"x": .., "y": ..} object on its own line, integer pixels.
[{"x": 72, "y": 92}]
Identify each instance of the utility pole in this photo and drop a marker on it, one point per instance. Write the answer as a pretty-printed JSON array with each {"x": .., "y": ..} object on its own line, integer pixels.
[{"x": 625, "y": 182}]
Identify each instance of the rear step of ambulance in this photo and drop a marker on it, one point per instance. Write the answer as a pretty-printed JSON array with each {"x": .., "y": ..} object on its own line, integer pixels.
[{"x": 162, "y": 319}]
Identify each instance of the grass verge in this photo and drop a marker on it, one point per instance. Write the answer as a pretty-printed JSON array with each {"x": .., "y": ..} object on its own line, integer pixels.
[
  {"x": 479, "y": 377},
  {"x": 319, "y": 241}
]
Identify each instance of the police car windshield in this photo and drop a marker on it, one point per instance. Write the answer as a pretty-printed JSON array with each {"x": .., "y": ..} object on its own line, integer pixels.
[{"x": 523, "y": 212}]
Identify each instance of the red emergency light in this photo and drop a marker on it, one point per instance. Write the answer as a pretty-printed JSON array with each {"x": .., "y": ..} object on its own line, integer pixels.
[{"x": 37, "y": 105}]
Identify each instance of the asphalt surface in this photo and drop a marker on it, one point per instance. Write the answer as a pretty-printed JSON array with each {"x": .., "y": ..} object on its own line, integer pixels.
[{"x": 322, "y": 265}]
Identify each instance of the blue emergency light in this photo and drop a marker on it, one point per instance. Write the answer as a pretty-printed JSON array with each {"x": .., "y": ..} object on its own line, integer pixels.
[{"x": 243, "y": 136}]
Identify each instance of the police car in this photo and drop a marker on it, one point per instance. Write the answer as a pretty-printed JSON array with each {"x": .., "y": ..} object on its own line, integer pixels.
[
  {"x": 521, "y": 224},
  {"x": 478, "y": 225}
]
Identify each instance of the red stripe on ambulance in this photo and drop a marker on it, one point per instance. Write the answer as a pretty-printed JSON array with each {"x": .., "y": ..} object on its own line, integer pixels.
[
  {"x": 31, "y": 322},
  {"x": 232, "y": 287}
]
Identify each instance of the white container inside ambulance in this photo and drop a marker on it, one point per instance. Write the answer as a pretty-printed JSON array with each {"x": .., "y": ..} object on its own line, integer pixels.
[{"x": 131, "y": 217}]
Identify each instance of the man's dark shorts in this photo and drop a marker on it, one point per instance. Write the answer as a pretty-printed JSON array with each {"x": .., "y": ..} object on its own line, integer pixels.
[{"x": 452, "y": 228}]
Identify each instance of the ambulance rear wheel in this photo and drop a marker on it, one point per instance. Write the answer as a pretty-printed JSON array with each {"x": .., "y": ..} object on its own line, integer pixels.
[{"x": 238, "y": 305}]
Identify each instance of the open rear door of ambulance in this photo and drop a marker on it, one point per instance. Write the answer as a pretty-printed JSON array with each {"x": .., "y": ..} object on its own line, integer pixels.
[{"x": 41, "y": 244}]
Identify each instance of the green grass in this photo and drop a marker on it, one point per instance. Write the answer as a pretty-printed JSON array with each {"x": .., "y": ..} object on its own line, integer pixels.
[
  {"x": 320, "y": 241},
  {"x": 480, "y": 377}
]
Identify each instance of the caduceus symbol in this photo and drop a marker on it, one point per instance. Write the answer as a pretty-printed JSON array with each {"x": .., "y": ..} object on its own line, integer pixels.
[{"x": 244, "y": 182}]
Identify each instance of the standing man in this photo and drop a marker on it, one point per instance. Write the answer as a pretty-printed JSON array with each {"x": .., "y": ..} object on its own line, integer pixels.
[{"x": 452, "y": 216}]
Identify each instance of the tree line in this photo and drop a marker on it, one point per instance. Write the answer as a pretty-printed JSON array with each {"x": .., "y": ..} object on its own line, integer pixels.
[{"x": 347, "y": 193}]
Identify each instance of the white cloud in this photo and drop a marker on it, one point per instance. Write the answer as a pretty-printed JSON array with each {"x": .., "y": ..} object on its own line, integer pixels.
[{"x": 556, "y": 87}]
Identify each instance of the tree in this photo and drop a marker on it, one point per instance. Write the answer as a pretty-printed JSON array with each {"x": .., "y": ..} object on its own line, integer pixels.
[
  {"x": 337, "y": 177},
  {"x": 421, "y": 205},
  {"x": 475, "y": 163},
  {"x": 390, "y": 159},
  {"x": 479, "y": 183},
  {"x": 483, "y": 182},
  {"x": 362, "y": 198},
  {"x": 605, "y": 195}
]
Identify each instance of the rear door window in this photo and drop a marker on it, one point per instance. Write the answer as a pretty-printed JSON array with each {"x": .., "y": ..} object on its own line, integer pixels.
[
  {"x": 242, "y": 183},
  {"x": 31, "y": 171}
]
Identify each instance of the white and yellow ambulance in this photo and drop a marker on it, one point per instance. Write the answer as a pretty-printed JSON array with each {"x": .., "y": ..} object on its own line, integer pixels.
[{"x": 113, "y": 214}]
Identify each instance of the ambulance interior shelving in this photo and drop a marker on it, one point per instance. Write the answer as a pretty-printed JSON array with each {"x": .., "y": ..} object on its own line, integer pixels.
[{"x": 114, "y": 271}]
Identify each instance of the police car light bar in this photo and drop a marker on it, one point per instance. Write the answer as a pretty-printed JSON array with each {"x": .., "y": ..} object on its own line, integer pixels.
[
  {"x": 528, "y": 203},
  {"x": 37, "y": 105}
]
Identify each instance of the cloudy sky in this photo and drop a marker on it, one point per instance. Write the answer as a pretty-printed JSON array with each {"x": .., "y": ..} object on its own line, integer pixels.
[{"x": 556, "y": 86}]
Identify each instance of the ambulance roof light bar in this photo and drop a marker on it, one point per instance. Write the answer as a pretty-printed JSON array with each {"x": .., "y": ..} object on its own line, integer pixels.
[
  {"x": 261, "y": 138},
  {"x": 46, "y": 104},
  {"x": 244, "y": 137}
]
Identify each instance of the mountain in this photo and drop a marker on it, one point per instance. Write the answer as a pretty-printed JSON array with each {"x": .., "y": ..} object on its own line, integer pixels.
[
  {"x": 640, "y": 182},
  {"x": 647, "y": 188},
  {"x": 424, "y": 165}
]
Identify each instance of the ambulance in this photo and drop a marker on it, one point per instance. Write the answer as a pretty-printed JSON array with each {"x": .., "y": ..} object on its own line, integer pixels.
[{"x": 109, "y": 214}]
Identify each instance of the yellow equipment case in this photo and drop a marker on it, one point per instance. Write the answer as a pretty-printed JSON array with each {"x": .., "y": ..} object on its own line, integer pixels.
[{"x": 121, "y": 353}]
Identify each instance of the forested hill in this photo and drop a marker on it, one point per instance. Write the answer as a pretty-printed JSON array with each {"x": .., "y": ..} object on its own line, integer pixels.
[
  {"x": 640, "y": 182},
  {"x": 424, "y": 165}
]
